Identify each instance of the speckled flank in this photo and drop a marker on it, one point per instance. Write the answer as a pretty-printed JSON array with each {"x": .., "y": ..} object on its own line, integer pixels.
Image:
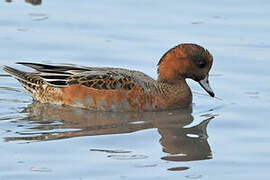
[
  {"x": 78, "y": 103},
  {"x": 88, "y": 101},
  {"x": 106, "y": 100}
]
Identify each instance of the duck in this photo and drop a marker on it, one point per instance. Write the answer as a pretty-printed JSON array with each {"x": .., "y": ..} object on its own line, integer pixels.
[{"x": 120, "y": 89}]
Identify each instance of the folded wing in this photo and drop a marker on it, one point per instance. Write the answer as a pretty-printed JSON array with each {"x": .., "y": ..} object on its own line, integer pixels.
[{"x": 93, "y": 77}]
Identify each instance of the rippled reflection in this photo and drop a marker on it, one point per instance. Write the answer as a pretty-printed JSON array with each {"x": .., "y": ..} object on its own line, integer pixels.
[
  {"x": 186, "y": 144},
  {"x": 49, "y": 122}
]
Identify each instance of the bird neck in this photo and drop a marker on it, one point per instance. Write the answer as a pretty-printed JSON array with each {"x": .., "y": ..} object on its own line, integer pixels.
[{"x": 176, "y": 92}]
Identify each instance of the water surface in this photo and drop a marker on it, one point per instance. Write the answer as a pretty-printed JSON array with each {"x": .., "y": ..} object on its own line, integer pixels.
[{"x": 222, "y": 138}]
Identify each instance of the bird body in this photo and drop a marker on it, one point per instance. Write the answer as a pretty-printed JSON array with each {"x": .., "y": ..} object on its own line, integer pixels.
[{"x": 119, "y": 89}]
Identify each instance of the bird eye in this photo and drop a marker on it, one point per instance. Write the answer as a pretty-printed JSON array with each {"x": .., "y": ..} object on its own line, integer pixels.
[{"x": 201, "y": 63}]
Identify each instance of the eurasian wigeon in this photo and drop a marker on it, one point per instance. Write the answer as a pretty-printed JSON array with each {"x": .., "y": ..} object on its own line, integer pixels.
[{"x": 118, "y": 89}]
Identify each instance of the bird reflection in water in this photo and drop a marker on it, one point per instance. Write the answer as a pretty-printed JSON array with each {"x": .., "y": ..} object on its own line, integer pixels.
[
  {"x": 33, "y": 2},
  {"x": 180, "y": 143}
]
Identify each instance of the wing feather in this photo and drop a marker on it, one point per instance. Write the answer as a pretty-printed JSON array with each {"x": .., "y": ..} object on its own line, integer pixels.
[{"x": 92, "y": 77}]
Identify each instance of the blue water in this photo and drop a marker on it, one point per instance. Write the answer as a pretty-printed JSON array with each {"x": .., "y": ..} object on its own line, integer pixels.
[{"x": 218, "y": 138}]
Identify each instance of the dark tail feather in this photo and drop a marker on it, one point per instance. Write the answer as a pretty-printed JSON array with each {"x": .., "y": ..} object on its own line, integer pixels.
[
  {"x": 29, "y": 83},
  {"x": 33, "y": 79},
  {"x": 21, "y": 76}
]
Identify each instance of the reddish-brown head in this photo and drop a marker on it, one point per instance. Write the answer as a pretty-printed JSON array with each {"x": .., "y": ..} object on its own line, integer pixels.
[{"x": 186, "y": 61}]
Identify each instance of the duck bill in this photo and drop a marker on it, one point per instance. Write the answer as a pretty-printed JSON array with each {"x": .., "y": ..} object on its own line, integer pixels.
[{"x": 206, "y": 86}]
